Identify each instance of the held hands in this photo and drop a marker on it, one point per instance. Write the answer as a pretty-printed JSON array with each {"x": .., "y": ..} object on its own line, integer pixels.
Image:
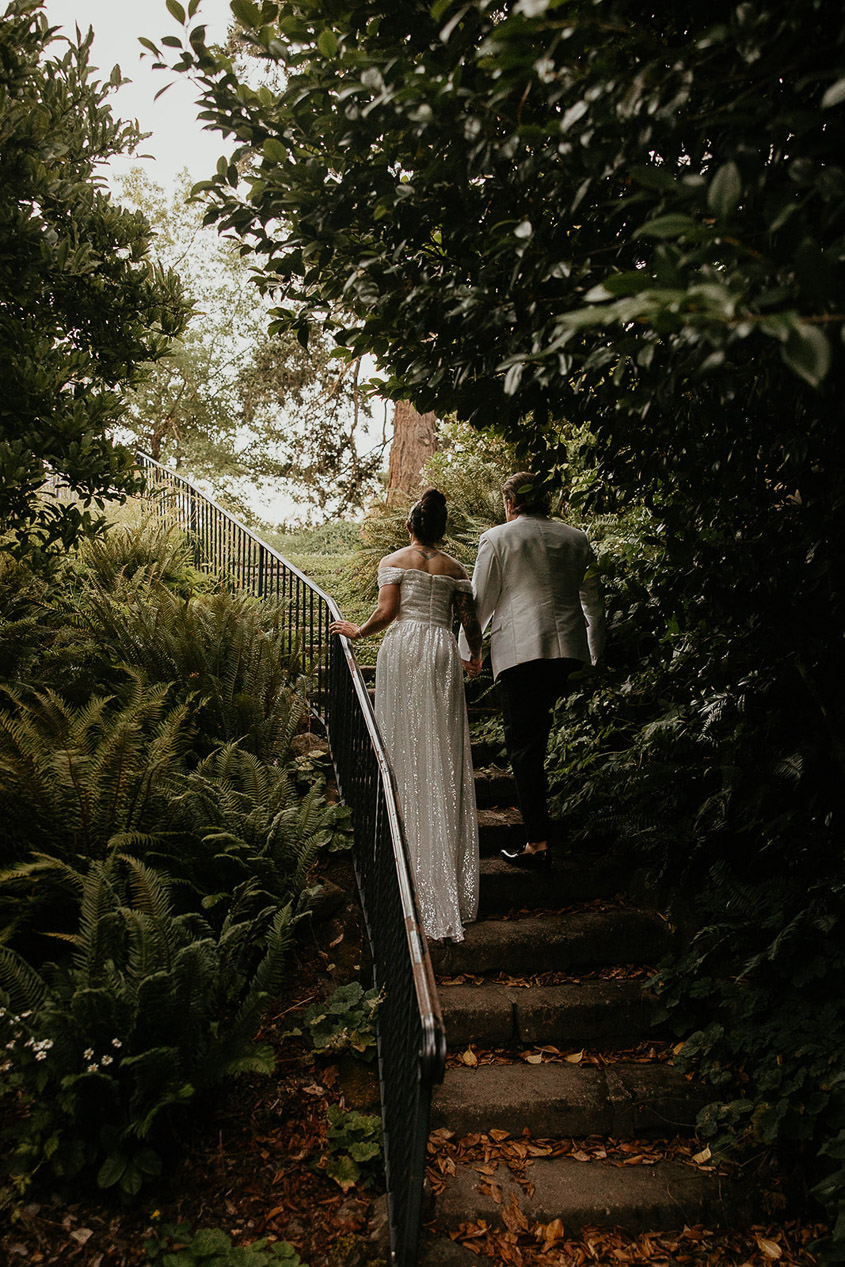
[
  {"x": 346, "y": 628},
  {"x": 472, "y": 666}
]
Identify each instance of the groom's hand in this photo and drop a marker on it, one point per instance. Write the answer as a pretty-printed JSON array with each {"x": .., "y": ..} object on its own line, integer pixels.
[{"x": 472, "y": 667}]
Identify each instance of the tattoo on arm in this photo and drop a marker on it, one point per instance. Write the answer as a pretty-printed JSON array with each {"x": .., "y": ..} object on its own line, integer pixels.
[{"x": 465, "y": 607}]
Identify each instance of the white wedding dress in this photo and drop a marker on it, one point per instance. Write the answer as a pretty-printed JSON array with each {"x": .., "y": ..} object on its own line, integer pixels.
[{"x": 422, "y": 716}]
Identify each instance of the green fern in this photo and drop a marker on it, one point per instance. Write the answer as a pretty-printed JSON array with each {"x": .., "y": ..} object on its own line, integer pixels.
[{"x": 151, "y": 1008}]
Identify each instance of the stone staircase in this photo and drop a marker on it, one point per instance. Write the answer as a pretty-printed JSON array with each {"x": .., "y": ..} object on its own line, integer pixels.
[{"x": 558, "y": 1102}]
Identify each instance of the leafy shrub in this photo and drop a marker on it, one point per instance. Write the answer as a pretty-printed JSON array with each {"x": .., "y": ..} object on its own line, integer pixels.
[
  {"x": 346, "y": 1021},
  {"x": 151, "y": 1009},
  {"x": 250, "y": 831},
  {"x": 354, "y": 1148},
  {"x": 148, "y": 550},
  {"x": 228, "y": 657},
  {"x": 82, "y": 781},
  {"x": 178, "y": 1246}
]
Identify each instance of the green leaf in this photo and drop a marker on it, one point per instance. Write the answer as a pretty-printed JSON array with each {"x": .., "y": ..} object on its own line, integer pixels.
[
  {"x": 834, "y": 95},
  {"x": 627, "y": 283},
  {"x": 668, "y": 226},
  {"x": 112, "y": 1170},
  {"x": 344, "y": 1171},
  {"x": 725, "y": 190},
  {"x": 176, "y": 9},
  {"x": 807, "y": 352},
  {"x": 274, "y": 151},
  {"x": 327, "y": 42},
  {"x": 247, "y": 13}
]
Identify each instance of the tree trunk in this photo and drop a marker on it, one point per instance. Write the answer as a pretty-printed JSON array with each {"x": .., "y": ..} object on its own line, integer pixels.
[{"x": 414, "y": 441}]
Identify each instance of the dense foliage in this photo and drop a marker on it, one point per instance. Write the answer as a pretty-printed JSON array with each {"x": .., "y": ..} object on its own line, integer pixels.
[
  {"x": 156, "y": 850},
  {"x": 617, "y": 235},
  {"x": 81, "y": 306}
]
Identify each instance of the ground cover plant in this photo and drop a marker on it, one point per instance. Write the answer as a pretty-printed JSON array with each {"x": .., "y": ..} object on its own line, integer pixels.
[{"x": 157, "y": 856}]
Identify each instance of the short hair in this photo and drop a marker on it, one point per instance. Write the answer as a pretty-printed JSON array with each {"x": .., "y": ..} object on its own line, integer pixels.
[
  {"x": 523, "y": 493},
  {"x": 427, "y": 517}
]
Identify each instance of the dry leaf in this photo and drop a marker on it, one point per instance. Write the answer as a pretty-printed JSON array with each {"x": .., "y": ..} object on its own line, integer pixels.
[
  {"x": 703, "y": 1156},
  {"x": 534, "y": 1059},
  {"x": 574, "y": 1057},
  {"x": 553, "y": 1232},
  {"x": 469, "y": 1058},
  {"x": 770, "y": 1248},
  {"x": 498, "y": 1134},
  {"x": 580, "y": 1156},
  {"x": 487, "y": 1170}
]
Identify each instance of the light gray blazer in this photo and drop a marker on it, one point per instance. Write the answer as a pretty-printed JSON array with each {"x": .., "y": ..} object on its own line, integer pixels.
[{"x": 530, "y": 582}]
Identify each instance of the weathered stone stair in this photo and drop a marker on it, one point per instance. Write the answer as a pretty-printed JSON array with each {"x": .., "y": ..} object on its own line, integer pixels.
[{"x": 574, "y": 932}]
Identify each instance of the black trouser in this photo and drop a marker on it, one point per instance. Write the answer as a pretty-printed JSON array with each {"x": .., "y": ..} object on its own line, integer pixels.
[{"x": 528, "y": 693}]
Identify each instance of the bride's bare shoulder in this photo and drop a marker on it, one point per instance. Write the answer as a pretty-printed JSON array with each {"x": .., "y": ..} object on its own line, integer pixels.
[
  {"x": 394, "y": 560},
  {"x": 453, "y": 568}
]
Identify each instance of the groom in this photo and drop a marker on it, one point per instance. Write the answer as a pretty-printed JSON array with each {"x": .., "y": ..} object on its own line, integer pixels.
[{"x": 531, "y": 580}]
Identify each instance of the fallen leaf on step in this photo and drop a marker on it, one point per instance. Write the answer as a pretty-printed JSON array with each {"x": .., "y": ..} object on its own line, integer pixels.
[
  {"x": 487, "y": 1170},
  {"x": 534, "y": 1058},
  {"x": 551, "y": 1232},
  {"x": 770, "y": 1248},
  {"x": 580, "y": 1156},
  {"x": 469, "y": 1058},
  {"x": 498, "y": 1134},
  {"x": 574, "y": 1057},
  {"x": 703, "y": 1156}
]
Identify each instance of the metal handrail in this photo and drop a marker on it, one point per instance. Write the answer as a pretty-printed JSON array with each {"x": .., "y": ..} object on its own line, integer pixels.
[{"x": 411, "y": 1035}]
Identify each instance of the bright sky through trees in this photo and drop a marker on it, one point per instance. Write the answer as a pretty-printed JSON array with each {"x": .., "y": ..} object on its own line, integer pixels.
[{"x": 178, "y": 140}]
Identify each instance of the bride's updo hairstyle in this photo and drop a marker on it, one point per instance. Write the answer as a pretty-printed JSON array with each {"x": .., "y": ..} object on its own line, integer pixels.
[{"x": 427, "y": 519}]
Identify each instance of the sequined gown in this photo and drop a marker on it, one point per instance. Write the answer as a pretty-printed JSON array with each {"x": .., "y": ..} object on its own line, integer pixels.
[{"x": 422, "y": 716}]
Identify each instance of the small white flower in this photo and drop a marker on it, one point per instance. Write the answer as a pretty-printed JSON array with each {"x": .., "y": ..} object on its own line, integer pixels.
[
  {"x": 30, "y": 1042},
  {"x": 4, "y": 1068},
  {"x": 10, "y": 1046},
  {"x": 41, "y": 1055},
  {"x": 2, "y": 1013},
  {"x": 91, "y": 1069},
  {"x": 115, "y": 1042},
  {"x": 107, "y": 1060},
  {"x": 88, "y": 1053},
  {"x": 24, "y": 1015}
]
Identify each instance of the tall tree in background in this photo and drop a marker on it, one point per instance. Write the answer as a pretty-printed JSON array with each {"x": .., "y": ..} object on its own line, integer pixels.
[
  {"x": 81, "y": 305},
  {"x": 414, "y": 442},
  {"x": 229, "y": 403}
]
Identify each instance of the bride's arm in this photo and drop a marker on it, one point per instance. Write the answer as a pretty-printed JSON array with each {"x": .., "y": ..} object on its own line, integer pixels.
[{"x": 384, "y": 615}]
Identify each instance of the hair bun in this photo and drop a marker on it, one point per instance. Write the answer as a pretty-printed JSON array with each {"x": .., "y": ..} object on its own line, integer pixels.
[{"x": 428, "y": 516}]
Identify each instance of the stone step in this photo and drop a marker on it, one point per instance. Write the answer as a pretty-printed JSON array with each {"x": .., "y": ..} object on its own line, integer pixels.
[
  {"x": 500, "y": 829},
  {"x": 662, "y": 1197},
  {"x": 573, "y": 878},
  {"x": 487, "y": 753},
  {"x": 563, "y": 1100},
  {"x": 595, "y": 1013},
  {"x": 495, "y": 788},
  {"x": 556, "y": 943}
]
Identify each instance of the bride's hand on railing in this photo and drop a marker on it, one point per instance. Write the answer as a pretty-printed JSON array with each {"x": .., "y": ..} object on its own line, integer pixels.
[{"x": 346, "y": 628}]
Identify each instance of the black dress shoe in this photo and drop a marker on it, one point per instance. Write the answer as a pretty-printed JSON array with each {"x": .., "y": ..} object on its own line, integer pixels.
[{"x": 541, "y": 861}]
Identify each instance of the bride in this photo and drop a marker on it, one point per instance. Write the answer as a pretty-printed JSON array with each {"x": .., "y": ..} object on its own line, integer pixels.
[{"x": 421, "y": 713}]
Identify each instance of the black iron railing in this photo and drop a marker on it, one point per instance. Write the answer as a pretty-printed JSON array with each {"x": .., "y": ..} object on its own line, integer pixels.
[{"x": 411, "y": 1038}]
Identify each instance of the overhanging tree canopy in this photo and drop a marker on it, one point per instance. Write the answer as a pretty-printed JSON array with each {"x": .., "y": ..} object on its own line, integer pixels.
[
  {"x": 596, "y": 212},
  {"x": 80, "y": 305}
]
